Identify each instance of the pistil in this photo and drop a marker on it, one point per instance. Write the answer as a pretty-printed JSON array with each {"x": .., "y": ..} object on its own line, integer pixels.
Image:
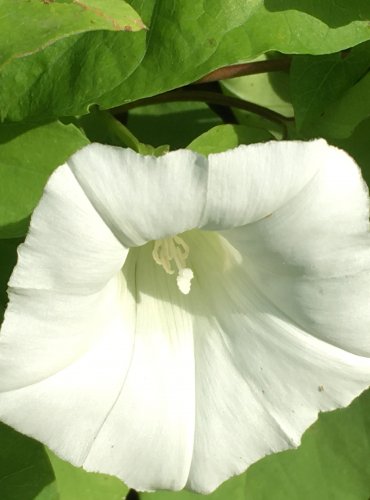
[{"x": 174, "y": 249}]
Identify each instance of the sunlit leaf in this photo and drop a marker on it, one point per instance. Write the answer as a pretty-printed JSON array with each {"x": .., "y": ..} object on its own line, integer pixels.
[
  {"x": 28, "y": 155},
  {"x": 224, "y": 137},
  {"x": 76, "y": 484}
]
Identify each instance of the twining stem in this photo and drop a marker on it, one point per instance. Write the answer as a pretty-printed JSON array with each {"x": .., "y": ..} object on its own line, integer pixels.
[
  {"x": 251, "y": 68},
  {"x": 208, "y": 97},
  {"x": 216, "y": 98}
]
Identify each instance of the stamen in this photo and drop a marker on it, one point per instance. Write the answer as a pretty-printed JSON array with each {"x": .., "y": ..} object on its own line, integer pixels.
[
  {"x": 175, "y": 249},
  {"x": 161, "y": 255}
]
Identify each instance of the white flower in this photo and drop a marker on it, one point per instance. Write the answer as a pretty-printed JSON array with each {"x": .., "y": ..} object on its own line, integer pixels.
[{"x": 174, "y": 319}]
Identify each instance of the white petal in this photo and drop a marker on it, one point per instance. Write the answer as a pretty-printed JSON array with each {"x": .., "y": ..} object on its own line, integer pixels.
[
  {"x": 260, "y": 379},
  {"x": 43, "y": 332},
  {"x": 328, "y": 298},
  {"x": 311, "y": 257},
  {"x": 68, "y": 248},
  {"x": 67, "y": 409},
  {"x": 142, "y": 198},
  {"x": 126, "y": 407}
]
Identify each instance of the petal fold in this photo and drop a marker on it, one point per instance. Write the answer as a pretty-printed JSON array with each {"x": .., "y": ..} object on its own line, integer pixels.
[
  {"x": 250, "y": 182},
  {"x": 68, "y": 249},
  {"x": 142, "y": 198},
  {"x": 147, "y": 438}
]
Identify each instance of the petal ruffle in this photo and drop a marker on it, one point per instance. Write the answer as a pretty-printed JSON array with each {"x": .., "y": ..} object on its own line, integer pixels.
[
  {"x": 250, "y": 182},
  {"x": 142, "y": 198}
]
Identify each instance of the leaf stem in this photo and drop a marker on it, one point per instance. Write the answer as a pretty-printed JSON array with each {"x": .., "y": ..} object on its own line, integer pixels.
[
  {"x": 251, "y": 68},
  {"x": 119, "y": 130}
]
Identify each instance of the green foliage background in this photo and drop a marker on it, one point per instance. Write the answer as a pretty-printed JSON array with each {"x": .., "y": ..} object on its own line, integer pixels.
[{"x": 63, "y": 61}]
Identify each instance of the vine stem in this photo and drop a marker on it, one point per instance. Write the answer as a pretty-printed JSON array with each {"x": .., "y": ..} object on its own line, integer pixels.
[
  {"x": 208, "y": 97},
  {"x": 251, "y": 68}
]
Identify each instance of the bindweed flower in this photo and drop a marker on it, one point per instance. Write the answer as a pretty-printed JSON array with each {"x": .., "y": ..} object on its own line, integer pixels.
[{"x": 172, "y": 320}]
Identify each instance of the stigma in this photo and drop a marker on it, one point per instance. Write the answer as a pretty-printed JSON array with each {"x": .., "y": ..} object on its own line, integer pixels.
[{"x": 177, "y": 251}]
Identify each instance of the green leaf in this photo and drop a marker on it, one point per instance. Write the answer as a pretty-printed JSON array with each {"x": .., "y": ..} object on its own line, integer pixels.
[
  {"x": 342, "y": 117},
  {"x": 331, "y": 463},
  {"x": 185, "y": 40},
  {"x": 101, "y": 126},
  {"x": 233, "y": 489},
  {"x": 175, "y": 123},
  {"x": 76, "y": 484},
  {"x": 27, "y": 158},
  {"x": 28, "y": 26},
  {"x": 318, "y": 81},
  {"x": 224, "y": 137},
  {"x": 29, "y": 32},
  {"x": 25, "y": 471},
  {"x": 270, "y": 90}
]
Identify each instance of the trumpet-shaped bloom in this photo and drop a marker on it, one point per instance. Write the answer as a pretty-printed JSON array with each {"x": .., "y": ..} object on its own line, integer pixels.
[{"x": 172, "y": 320}]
